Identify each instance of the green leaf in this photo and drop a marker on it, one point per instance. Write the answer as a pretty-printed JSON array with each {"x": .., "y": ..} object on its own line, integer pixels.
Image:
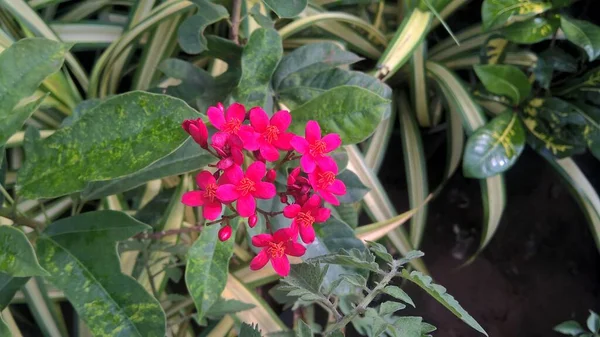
[
  {"x": 187, "y": 158},
  {"x": 303, "y": 330},
  {"x": 593, "y": 322},
  {"x": 81, "y": 108},
  {"x": 352, "y": 112},
  {"x": 4, "y": 330},
  {"x": 355, "y": 189},
  {"x": 378, "y": 325},
  {"x": 207, "y": 268},
  {"x": 389, "y": 307},
  {"x": 408, "y": 327},
  {"x": 439, "y": 293},
  {"x": 287, "y": 8},
  {"x": 380, "y": 250},
  {"x": 583, "y": 34},
  {"x": 18, "y": 258},
  {"x": 354, "y": 258},
  {"x": 570, "y": 328},
  {"x": 495, "y": 147},
  {"x": 77, "y": 253},
  {"x": 259, "y": 60},
  {"x": 347, "y": 213},
  {"x": 500, "y": 12},
  {"x": 494, "y": 50},
  {"x": 304, "y": 280},
  {"x": 8, "y": 288},
  {"x": 262, "y": 20},
  {"x": 224, "y": 307},
  {"x": 191, "y": 32},
  {"x": 248, "y": 330},
  {"x": 122, "y": 135},
  {"x": 532, "y": 31},
  {"x": 24, "y": 65},
  {"x": 355, "y": 279},
  {"x": 506, "y": 80},
  {"x": 398, "y": 293}
]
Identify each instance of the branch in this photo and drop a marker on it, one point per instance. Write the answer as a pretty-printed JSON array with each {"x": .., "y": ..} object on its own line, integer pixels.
[
  {"x": 21, "y": 220},
  {"x": 235, "y": 21}
]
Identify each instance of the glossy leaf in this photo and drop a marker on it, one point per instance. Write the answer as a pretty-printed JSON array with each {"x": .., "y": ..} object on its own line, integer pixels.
[
  {"x": 500, "y": 12},
  {"x": 495, "y": 147},
  {"x": 207, "y": 268},
  {"x": 77, "y": 253},
  {"x": 570, "y": 328},
  {"x": 584, "y": 34},
  {"x": 593, "y": 322},
  {"x": 191, "y": 32},
  {"x": 122, "y": 135},
  {"x": 18, "y": 258},
  {"x": 24, "y": 65},
  {"x": 506, "y": 80},
  {"x": 355, "y": 189},
  {"x": 287, "y": 8},
  {"x": 591, "y": 130},
  {"x": 259, "y": 60},
  {"x": 8, "y": 288},
  {"x": 531, "y": 31},
  {"x": 350, "y": 111},
  {"x": 439, "y": 294},
  {"x": 494, "y": 50}
]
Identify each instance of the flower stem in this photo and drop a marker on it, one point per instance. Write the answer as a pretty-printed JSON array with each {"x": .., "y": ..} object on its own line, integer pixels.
[
  {"x": 21, "y": 220},
  {"x": 235, "y": 21}
]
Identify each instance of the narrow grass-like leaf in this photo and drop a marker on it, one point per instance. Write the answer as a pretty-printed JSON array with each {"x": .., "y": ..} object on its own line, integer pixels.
[{"x": 418, "y": 88}]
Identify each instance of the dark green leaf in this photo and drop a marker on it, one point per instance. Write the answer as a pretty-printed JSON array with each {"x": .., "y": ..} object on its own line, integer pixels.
[
  {"x": 532, "y": 30},
  {"x": 408, "y": 327},
  {"x": 259, "y": 60},
  {"x": 352, "y": 112},
  {"x": 496, "y": 13},
  {"x": 380, "y": 250},
  {"x": 122, "y": 135},
  {"x": 494, "y": 50},
  {"x": 303, "y": 330},
  {"x": 506, "y": 80},
  {"x": 494, "y": 147},
  {"x": 583, "y": 34},
  {"x": 248, "y": 330},
  {"x": 24, "y": 65},
  {"x": 263, "y": 21},
  {"x": 77, "y": 253},
  {"x": 591, "y": 130},
  {"x": 439, "y": 293},
  {"x": 207, "y": 268},
  {"x": 559, "y": 60},
  {"x": 4, "y": 330},
  {"x": 355, "y": 258},
  {"x": 3, "y": 169},
  {"x": 8, "y": 287},
  {"x": 18, "y": 258},
  {"x": 593, "y": 322},
  {"x": 355, "y": 189},
  {"x": 398, "y": 293},
  {"x": 191, "y": 32},
  {"x": 224, "y": 307},
  {"x": 347, "y": 213},
  {"x": 287, "y": 8},
  {"x": 189, "y": 157},
  {"x": 389, "y": 307},
  {"x": 81, "y": 108},
  {"x": 304, "y": 279},
  {"x": 570, "y": 328},
  {"x": 355, "y": 279}
]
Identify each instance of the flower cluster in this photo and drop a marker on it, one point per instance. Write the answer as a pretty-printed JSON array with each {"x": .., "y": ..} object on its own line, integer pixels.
[{"x": 253, "y": 141}]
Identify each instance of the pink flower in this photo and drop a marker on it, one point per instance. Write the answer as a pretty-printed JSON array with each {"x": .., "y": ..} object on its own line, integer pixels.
[
  {"x": 298, "y": 186},
  {"x": 197, "y": 129},
  {"x": 245, "y": 188},
  {"x": 230, "y": 122},
  {"x": 323, "y": 181},
  {"x": 271, "y": 134},
  {"x": 305, "y": 216},
  {"x": 229, "y": 148},
  {"x": 206, "y": 196},
  {"x": 276, "y": 248},
  {"x": 313, "y": 148}
]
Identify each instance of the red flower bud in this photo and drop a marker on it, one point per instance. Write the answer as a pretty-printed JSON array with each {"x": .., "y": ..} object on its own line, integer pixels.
[
  {"x": 252, "y": 220},
  {"x": 197, "y": 129},
  {"x": 283, "y": 198},
  {"x": 271, "y": 175},
  {"x": 225, "y": 233}
]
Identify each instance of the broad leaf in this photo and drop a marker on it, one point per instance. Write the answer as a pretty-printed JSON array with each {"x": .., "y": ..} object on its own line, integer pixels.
[
  {"x": 80, "y": 254},
  {"x": 532, "y": 31},
  {"x": 122, "y": 135},
  {"x": 8, "y": 288},
  {"x": 207, "y": 268},
  {"x": 591, "y": 131},
  {"x": 259, "y": 60},
  {"x": 570, "y": 328},
  {"x": 24, "y": 65},
  {"x": 352, "y": 112},
  {"x": 593, "y": 322},
  {"x": 495, "y": 147},
  {"x": 347, "y": 213},
  {"x": 18, "y": 258},
  {"x": 355, "y": 189},
  {"x": 583, "y": 34},
  {"x": 287, "y": 8},
  {"x": 439, "y": 293},
  {"x": 191, "y": 32},
  {"x": 263, "y": 20},
  {"x": 494, "y": 50},
  {"x": 398, "y": 293},
  {"x": 248, "y": 330},
  {"x": 389, "y": 307},
  {"x": 500, "y": 12},
  {"x": 81, "y": 108},
  {"x": 407, "y": 327},
  {"x": 303, "y": 330},
  {"x": 506, "y": 80}
]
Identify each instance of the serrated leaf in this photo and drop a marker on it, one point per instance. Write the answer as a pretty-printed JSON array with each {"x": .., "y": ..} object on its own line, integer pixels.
[
  {"x": 18, "y": 258},
  {"x": 408, "y": 327},
  {"x": 122, "y": 135},
  {"x": 248, "y": 330},
  {"x": 355, "y": 189},
  {"x": 506, "y": 80},
  {"x": 76, "y": 252},
  {"x": 190, "y": 34},
  {"x": 398, "y": 293},
  {"x": 532, "y": 31},
  {"x": 439, "y": 293},
  {"x": 495, "y": 147},
  {"x": 354, "y": 258},
  {"x": 380, "y": 250},
  {"x": 307, "y": 277},
  {"x": 287, "y": 8},
  {"x": 378, "y": 325},
  {"x": 500, "y": 12},
  {"x": 593, "y": 322},
  {"x": 355, "y": 279},
  {"x": 352, "y": 112},
  {"x": 207, "y": 268},
  {"x": 583, "y": 34},
  {"x": 24, "y": 65},
  {"x": 8, "y": 288},
  {"x": 303, "y": 330},
  {"x": 259, "y": 60},
  {"x": 389, "y": 307},
  {"x": 224, "y": 307},
  {"x": 570, "y": 328}
]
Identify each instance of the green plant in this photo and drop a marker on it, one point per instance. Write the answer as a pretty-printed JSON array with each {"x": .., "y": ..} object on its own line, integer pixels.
[{"x": 572, "y": 328}]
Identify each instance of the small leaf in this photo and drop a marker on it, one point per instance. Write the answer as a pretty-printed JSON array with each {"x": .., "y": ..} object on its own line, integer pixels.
[
  {"x": 354, "y": 258},
  {"x": 496, "y": 13},
  {"x": 532, "y": 31},
  {"x": 408, "y": 326},
  {"x": 303, "y": 330},
  {"x": 287, "y": 8},
  {"x": 18, "y": 258},
  {"x": 304, "y": 278},
  {"x": 8, "y": 288},
  {"x": 389, "y": 307},
  {"x": 570, "y": 328},
  {"x": 224, "y": 307},
  {"x": 427, "y": 328},
  {"x": 398, "y": 293},
  {"x": 593, "y": 322},
  {"x": 504, "y": 80},
  {"x": 583, "y": 34},
  {"x": 355, "y": 189},
  {"x": 378, "y": 325},
  {"x": 380, "y": 250},
  {"x": 355, "y": 279},
  {"x": 207, "y": 268},
  {"x": 248, "y": 330},
  {"x": 190, "y": 34},
  {"x": 262, "y": 20}
]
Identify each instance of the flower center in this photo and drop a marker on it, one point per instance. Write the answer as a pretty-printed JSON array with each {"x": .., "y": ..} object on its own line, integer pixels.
[
  {"x": 210, "y": 192},
  {"x": 317, "y": 148},
  {"x": 276, "y": 249},
  {"x": 305, "y": 219},
  {"x": 246, "y": 186},
  {"x": 271, "y": 133},
  {"x": 325, "y": 179},
  {"x": 232, "y": 126}
]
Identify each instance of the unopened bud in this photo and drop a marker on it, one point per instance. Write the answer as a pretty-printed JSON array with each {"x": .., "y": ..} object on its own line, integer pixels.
[
  {"x": 283, "y": 198},
  {"x": 252, "y": 220},
  {"x": 271, "y": 175},
  {"x": 225, "y": 233},
  {"x": 197, "y": 129}
]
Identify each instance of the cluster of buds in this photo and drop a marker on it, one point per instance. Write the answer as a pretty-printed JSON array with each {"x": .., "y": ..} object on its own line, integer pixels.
[{"x": 263, "y": 140}]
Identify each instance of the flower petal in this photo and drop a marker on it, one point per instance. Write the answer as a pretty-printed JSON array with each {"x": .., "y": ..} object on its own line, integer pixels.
[
  {"x": 313, "y": 202},
  {"x": 307, "y": 234},
  {"x": 281, "y": 119},
  {"x": 261, "y": 240},
  {"x": 227, "y": 193},
  {"x": 235, "y": 174},
  {"x": 265, "y": 190},
  {"x": 269, "y": 152},
  {"x": 216, "y": 118},
  {"x": 193, "y": 198},
  {"x": 205, "y": 178},
  {"x": 246, "y": 205},
  {"x": 330, "y": 198},
  {"x": 333, "y": 141},
  {"x": 299, "y": 144},
  {"x": 337, "y": 187},
  {"x": 281, "y": 265},
  {"x": 259, "y": 119},
  {"x": 225, "y": 163},
  {"x": 327, "y": 163},
  {"x": 308, "y": 163},
  {"x": 212, "y": 210},
  {"x": 248, "y": 137},
  {"x": 256, "y": 171},
  {"x": 283, "y": 234},
  {"x": 236, "y": 110},
  {"x": 322, "y": 214},
  {"x": 259, "y": 261},
  {"x": 296, "y": 249},
  {"x": 291, "y": 211},
  {"x": 284, "y": 141},
  {"x": 219, "y": 139},
  {"x": 313, "y": 131}
]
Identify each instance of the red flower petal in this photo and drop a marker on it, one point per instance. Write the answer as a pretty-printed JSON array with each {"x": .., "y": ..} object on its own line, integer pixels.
[
  {"x": 259, "y": 119},
  {"x": 283, "y": 234},
  {"x": 313, "y": 202},
  {"x": 261, "y": 240},
  {"x": 256, "y": 171},
  {"x": 281, "y": 119},
  {"x": 216, "y": 118},
  {"x": 296, "y": 249},
  {"x": 299, "y": 144},
  {"x": 205, "y": 178},
  {"x": 235, "y": 110},
  {"x": 313, "y": 131},
  {"x": 330, "y": 198},
  {"x": 308, "y": 163},
  {"x": 284, "y": 141},
  {"x": 281, "y": 265},
  {"x": 246, "y": 205},
  {"x": 337, "y": 187},
  {"x": 227, "y": 193},
  {"x": 265, "y": 190},
  {"x": 259, "y": 260},
  {"x": 333, "y": 141},
  {"x": 307, "y": 234},
  {"x": 249, "y": 138},
  {"x": 235, "y": 174},
  {"x": 327, "y": 164},
  {"x": 193, "y": 198},
  {"x": 291, "y": 211},
  {"x": 322, "y": 214},
  {"x": 212, "y": 210},
  {"x": 269, "y": 152}
]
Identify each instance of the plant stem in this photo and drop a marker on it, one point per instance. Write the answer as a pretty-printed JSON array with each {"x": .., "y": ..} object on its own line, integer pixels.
[
  {"x": 21, "y": 220},
  {"x": 235, "y": 21},
  {"x": 6, "y": 195}
]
